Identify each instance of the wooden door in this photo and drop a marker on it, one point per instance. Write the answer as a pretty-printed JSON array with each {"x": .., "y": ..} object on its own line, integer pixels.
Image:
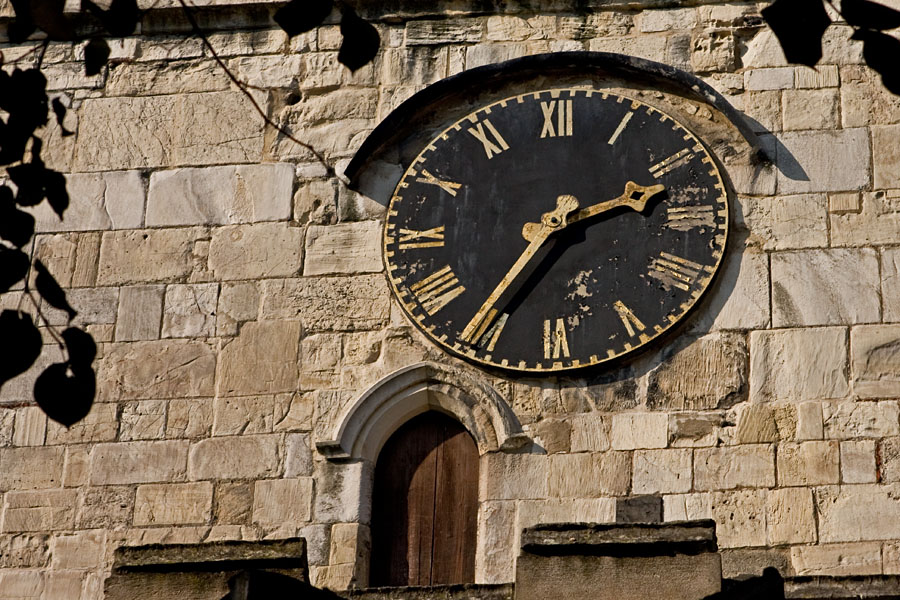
[{"x": 425, "y": 505}]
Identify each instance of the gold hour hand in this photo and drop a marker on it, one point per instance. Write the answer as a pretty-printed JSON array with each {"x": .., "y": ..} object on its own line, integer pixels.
[
  {"x": 551, "y": 221},
  {"x": 635, "y": 197}
]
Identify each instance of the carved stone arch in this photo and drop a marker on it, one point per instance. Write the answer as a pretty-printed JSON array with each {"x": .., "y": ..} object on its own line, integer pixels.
[{"x": 364, "y": 427}]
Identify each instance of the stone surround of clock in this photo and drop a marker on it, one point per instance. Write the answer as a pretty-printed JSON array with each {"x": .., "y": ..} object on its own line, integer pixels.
[{"x": 253, "y": 359}]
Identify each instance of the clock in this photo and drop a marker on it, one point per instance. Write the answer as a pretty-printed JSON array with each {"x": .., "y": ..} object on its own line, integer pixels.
[{"x": 556, "y": 229}]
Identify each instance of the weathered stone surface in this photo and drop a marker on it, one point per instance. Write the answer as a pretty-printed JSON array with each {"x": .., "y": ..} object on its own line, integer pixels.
[
  {"x": 428, "y": 32},
  {"x": 875, "y": 223},
  {"x": 59, "y": 585},
  {"x": 662, "y": 471},
  {"x": 822, "y": 76},
  {"x": 727, "y": 467},
  {"x": 30, "y": 427},
  {"x": 77, "y": 466},
  {"x": 496, "y": 557},
  {"x": 875, "y": 361},
  {"x": 890, "y": 284},
  {"x": 106, "y": 507},
  {"x": 650, "y": 21},
  {"x": 298, "y": 458},
  {"x": 238, "y": 303},
  {"x": 100, "y": 201},
  {"x": 189, "y": 418},
  {"x": 864, "y": 100},
  {"x": 576, "y": 510},
  {"x": 45, "y": 510},
  {"x": 513, "y": 476},
  {"x": 554, "y": 435},
  {"x": 808, "y": 463},
  {"x": 256, "y": 251},
  {"x": 220, "y": 195},
  {"x": 328, "y": 303},
  {"x": 756, "y": 424},
  {"x": 788, "y": 222},
  {"x": 590, "y": 432},
  {"x": 263, "y": 359},
  {"x": 886, "y": 151},
  {"x": 753, "y": 561},
  {"x": 233, "y": 503},
  {"x": 740, "y": 300},
  {"x": 350, "y": 543},
  {"x": 778, "y": 78},
  {"x": 178, "y": 77},
  {"x": 315, "y": 202},
  {"x": 294, "y": 412},
  {"x": 825, "y": 287},
  {"x": 651, "y": 47},
  {"x": 156, "y": 369},
  {"x": 889, "y": 459},
  {"x": 143, "y": 420},
  {"x": 343, "y": 492},
  {"x": 691, "y": 430},
  {"x": 639, "y": 430},
  {"x": 837, "y": 559},
  {"x": 763, "y": 50},
  {"x": 811, "y": 109},
  {"x": 823, "y": 161},
  {"x": 190, "y": 310},
  {"x": 799, "y": 364},
  {"x": 244, "y": 457},
  {"x": 853, "y": 513},
  {"x": 850, "y": 420},
  {"x": 138, "y": 462},
  {"x": 279, "y": 71},
  {"x": 139, "y": 314},
  {"x": 173, "y": 504},
  {"x": 343, "y": 248},
  {"x": 162, "y": 131},
  {"x": 24, "y": 550},
  {"x": 146, "y": 255},
  {"x": 764, "y": 110},
  {"x": 587, "y": 475},
  {"x": 740, "y": 518},
  {"x": 713, "y": 50},
  {"x": 708, "y": 373},
  {"x": 245, "y": 415},
  {"x": 858, "y": 462},
  {"x": 22, "y": 585},
  {"x": 30, "y": 468},
  {"x": 687, "y": 507}
]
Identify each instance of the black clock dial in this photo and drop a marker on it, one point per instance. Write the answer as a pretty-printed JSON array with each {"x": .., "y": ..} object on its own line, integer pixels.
[{"x": 555, "y": 230}]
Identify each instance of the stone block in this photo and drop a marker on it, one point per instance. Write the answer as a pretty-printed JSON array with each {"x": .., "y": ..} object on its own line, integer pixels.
[
  {"x": 890, "y": 284},
  {"x": 143, "y": 420},
  {"x": 875, "y": 361},
  {"x": 886, "y": 150},
  {"x": 687, "y": 507},
  {"x": 146, "y": 256},
  {"x": 763, "y": 50},
  {"x": 822, "y": 76},
  {"x": 513, "y": 476},
  {"x": 694, "y": 430},
  {"x": 31, "y": 468},
  {"x": 587, "y": 475},
  {"x": 45, "y": 510},
  {"x": 574, "y": 510},
  {"x": 741, "y": 298},
  {"x": 853, "y": 513},
  {"x": 256, "y": 250},
  {"x": 808, "y": 463},
  {"x": 244, "y": 457},
  {"x": 890, "y": 554},
  {"x": 238, "y": 303},
  {"x": 864, "y": 100},
  {"x": 651, "y": 21},
  {"x": 343, "y": 492},
  {"x": 30, "y": 427},
  {"x": 888, "y": 458},
  {"x": 823, "y": 161},
  {"x": 178, "y": 77},
  {"x": 553, "y": 435},
  {"x": 756, "y": 424},
  {"x": 279, "y": 71},
  {"x": 876, "y": 222},
  {"x": 138, "y": 462},
  {"x": 173, "y": 504},
  {"x": 728, "y": 467},
  {"x": 99, "y": 201},
  {"x": 21, "y": 585},
  {"x": 798, "y": 364},
  {"x": 59, "y": 585},
  {"x": 790, "y": 517},
  {"x": 280, "y": 501},
  {"x": 825, "y": 287},
  {"x": 328, "y": 303},
  {"x": 77, "y": 466},
  {"x": 293, "y": 412},
  {"x": 662, "y": 471},
  {"x": 713, "y": 50},
  {"x": 244, "y": 415},
  {"x": 590, "y": 432},
  {"x": 343, "y": 248},
  {"x": 298, "y": 458},
  {"x": 809, "y": 421},
  {"x": 168, "y": 130},
  {"x": 25, "y": 550},
  {"x": 190, "y": 310},
  {"x": 220, "y": 195},
  {"x": 709, "y": 373},
  {"x": 262, "y": 359},
  {"x": 639, "y": 430},
  {"x": 648, "y": 46},
  {"x": 777, "y": 78},
  {"x": 315, "y": 202},
  {"x": 788, "y": 222},
  {"x": 106, "y": 507},
  {"x": 189, "y": 418},
  {"x": 334, "y": 105},
  {"x": 858, "y": 462},
  {"x": 156, "y": 369},
  {"x": 95, "y": 306},
  {"x": 852, "y": 420},
  {"x": 79, "y": 550},
  {"x": 350, "y": 543},
  {"x": 835, "y": 560},
  {"x": 844, "y": 202},
  {"x": 810, "y": 109},
  {"x": 495, "y": 557},
  {"x": 740, "y": 518},
  {"x": 234, "y": 502},
  {"x": 764, "y": 111},
  {"x": 444, "y": 31},
  {"x": 140, "y": 312}
]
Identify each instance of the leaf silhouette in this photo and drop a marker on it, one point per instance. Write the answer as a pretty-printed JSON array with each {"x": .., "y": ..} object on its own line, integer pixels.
[
  {"x": 799, "y": 26},
  {"x": 96, "y": 53},
  {"x": 55, "y": 191},
  {"x": 80, "y": 346},
  {"x": 880, "y": 52},
  {"x": 13, "y": 268},
  {"x": 59, "y": 110},
  {"x": 45, "y": 14},
  {"x": 360, "y": 41},
  {"x": 50, "y": 291},
  {"x": 119, "y": 19},
  {"x": 66, "y": 392},
  {"x": 23, "y": 26},
  {"x": 16, "y": 226},
  {"x": 869, "y": 15},
  {"x": 299, "y": 16},
  {"x": 22, "y": 344}
]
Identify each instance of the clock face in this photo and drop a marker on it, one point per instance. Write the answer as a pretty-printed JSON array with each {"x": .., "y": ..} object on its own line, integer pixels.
[{"x": 555, "y": 230}]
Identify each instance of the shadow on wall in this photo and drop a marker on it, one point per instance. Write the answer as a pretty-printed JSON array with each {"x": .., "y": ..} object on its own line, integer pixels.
[{"x": 264, "y": 585}]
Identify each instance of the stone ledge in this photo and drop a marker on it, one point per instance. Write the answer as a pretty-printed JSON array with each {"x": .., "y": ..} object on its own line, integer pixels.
[
  {"x": 634, "y": 539},
  {"x": 842, "y": 588},
  {"x": 212, "y": 556},
  {"x": 503, "y": 591}
]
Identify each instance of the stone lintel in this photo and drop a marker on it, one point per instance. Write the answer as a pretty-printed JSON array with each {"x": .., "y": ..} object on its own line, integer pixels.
[
  {"x": 212, "y": 556},
  {"x": 632, "y": 539},
  {"x": 865, "y": 587}
]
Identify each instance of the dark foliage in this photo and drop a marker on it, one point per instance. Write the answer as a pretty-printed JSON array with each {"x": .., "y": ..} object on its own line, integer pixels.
[
  {"x": 50, "y": 290},
  {"x": 881, "y": 52},
  {"x": 13, "y": 269},
  {"x": 299, "y": 16},
  {"x": 119, "y": 20},
  {"x": 66, "y": 392},
  {"x": 23, "y": 346},
  {"x": 59, "y": 110},
  {"x": 360, "y": 41},
  {"x": 869, "y": 15},
  {"x": 799, "y": 26},
  {"x": 96, "y": 53}
]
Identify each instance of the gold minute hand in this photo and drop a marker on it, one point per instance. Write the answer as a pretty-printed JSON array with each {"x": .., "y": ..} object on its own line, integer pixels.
[
  {"x": 550, "y": 222},
  {"x": 635, "y": 197}
]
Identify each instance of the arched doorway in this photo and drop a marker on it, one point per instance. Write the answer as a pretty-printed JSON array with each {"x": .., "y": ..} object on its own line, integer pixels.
[{"x": 425, "y": 505}]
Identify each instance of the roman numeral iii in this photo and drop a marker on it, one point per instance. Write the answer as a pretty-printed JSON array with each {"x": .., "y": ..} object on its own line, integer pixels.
[
  {"x": 492, "y": 141},
  {"x": 436, "y": 290},
  {"x": 563, "y": 118}
]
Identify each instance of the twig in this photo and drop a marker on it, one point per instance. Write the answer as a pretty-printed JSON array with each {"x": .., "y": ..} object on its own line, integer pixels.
[{"x": 244, "y": 88}]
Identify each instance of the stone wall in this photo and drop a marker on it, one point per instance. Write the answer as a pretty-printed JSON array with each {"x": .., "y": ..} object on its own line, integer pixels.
[{"x": 237, "y": 295}]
